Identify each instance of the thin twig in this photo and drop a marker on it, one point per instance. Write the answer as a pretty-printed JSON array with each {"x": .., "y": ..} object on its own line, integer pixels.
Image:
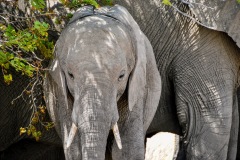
[
  {"x": 39, "y": 15},
  {"x": 5, "y": 19},
  {"x": 25, "y": 89},
  {"x": 36, "y": 57},
  {"x": 192, "y": 18},
  {"x": 190, "y": 4}
]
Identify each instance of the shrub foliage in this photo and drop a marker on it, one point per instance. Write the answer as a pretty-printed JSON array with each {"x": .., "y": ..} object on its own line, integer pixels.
[{"x": 26, "y": 45}]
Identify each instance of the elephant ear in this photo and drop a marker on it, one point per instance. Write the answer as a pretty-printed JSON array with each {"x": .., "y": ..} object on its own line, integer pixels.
[
  {"x": 218, "y": 15},
  {"x": 55, "y": 89},
  {"x": 50, "y": 91},
  {"x": 144, "y": 81},
  {"x": 59, "y": 104}
]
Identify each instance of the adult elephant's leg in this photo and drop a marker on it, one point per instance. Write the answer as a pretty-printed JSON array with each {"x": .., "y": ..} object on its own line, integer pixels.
[
  {"x": 204, "y": 109},
  {"x": 233, "y": 142},
  {"x": 238, "y": 146},
  {"x": 131, "y": 132},
  {"x": 204, "y": 81}
]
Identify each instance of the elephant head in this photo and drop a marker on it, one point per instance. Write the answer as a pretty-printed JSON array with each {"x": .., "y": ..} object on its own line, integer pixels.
[{"x": 100, "y": 54}]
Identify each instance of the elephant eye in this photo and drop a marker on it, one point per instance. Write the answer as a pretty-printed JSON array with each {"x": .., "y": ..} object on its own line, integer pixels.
[
  {"x": 71, "y": 75},
  {"x": 122, "y": 74}
]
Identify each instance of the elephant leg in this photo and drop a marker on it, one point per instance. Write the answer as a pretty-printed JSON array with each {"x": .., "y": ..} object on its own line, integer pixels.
[
  {"x": 206, "y": 115},
  {"x": 232, "y": 148},
  {"x": 205, "y": 91},
  {"x": 131, "y": 133},
  {"x": 132, "y": 140},
  {"x": 238, "y": 146}
]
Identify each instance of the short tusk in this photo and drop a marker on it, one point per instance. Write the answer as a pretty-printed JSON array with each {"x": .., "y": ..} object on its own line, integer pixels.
[
  {"x": 72, "y": 133},
  {"x": 117, "y": 135}
]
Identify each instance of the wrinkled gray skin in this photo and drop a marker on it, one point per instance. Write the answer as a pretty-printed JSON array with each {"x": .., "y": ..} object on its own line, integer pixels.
[
  {"x": 104, "y": 73},
  {"x": 200, "y": 72},
  {"x": 16, "y": 115}
]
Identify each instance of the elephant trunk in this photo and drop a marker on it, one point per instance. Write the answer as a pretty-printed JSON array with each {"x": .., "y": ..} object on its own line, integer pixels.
[
  {"x": 92, "y": 117},
  {"x": 93, "y": 140}
]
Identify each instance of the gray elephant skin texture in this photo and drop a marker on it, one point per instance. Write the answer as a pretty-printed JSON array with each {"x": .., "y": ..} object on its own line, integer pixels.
[
  {"x": 103, "y": 87},
  {"x": 18, "y": 114},
  {"x": 199, "y": 68}
]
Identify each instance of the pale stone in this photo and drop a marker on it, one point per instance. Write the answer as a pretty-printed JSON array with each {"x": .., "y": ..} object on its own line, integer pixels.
[{"x": 162, "y": 146}]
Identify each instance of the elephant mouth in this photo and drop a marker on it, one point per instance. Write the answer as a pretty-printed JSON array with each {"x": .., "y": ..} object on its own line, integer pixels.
[
  {"x": 109, "y": 146},
  {"x": 114, "y": 129}
]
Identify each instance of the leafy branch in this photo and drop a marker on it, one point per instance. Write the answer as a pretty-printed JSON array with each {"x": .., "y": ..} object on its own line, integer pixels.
[
  {"x": 16, "y": 43},
  {"x": 25, "y": 46}
]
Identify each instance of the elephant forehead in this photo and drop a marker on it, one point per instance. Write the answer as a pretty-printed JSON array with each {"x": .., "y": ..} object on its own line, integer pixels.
[
  {"x": 95, "y": 60},
  {"x": 93, "y": 39},
  {"x": 98, "y": 31},
  {"x": 102, "y": 46},
  {"x": 91, "y": 33}
]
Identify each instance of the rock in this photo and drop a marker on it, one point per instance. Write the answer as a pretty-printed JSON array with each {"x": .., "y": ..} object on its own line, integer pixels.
[{"x": 162, "y": 146}]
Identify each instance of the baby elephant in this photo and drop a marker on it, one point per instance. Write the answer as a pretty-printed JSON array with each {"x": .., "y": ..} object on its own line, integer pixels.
[{"x": 103, "y": 78}]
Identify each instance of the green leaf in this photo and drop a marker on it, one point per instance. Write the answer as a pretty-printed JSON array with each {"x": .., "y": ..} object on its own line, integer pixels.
[
  {"x": 29, "y": 70},
  {"x": 41, "y": 28},
  {"x": 7, "y": 78},
  {"x": 76, "y": 2},
  {"x": 167, "y": 2},
  {"x": 238, "y": 1},
  {"x": 69, "y": 15},
  {"x": 29, "y": 132},
  {"x": 38, "y": 4},
  {"x": 10, "y": 32},
  {"x": 49, "y": 125},
  {"x": 37, "y": 135},
  {"x": 107, "y": 2},
  {"x": 20, "y": 64},
  {"x": 3, "y": 58},
  {"x": 2, "y": 27},
  {"x": 22, "y": 130},
  {"x": 6, "y": 65},
  {"x": 91, "y": 2}
]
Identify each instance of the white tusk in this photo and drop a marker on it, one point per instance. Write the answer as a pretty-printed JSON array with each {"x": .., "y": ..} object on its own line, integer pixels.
[
  {"x": 72, "y": 133},
  {"x": 117, "y": 136}
]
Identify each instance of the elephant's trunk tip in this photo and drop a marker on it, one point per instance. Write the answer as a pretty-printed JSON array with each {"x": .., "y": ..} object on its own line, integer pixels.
[
  {"x": 117, "y": 136},
  {"x": 72, "y": 133}
]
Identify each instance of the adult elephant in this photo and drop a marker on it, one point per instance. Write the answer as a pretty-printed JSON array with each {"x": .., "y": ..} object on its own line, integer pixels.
[
  {"x": 200, "y": 73},
  {"x": 17, "y": 113},
  {"x": 103, "y": 77}
]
